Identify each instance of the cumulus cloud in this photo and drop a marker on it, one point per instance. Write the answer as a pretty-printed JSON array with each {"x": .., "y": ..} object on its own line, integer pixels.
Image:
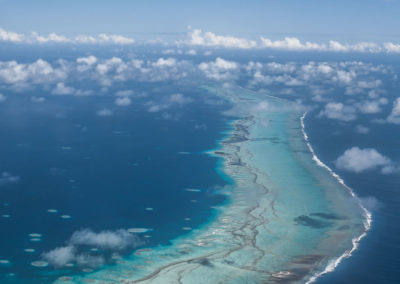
[
  {"x": 116, "y": 39},
  {"x": 88, "y": 260},
  {"x": 219, "y": 69},
  {"x": 19, "y": 76},
  {"x": 179, "y": 99},
  {"x": 191, "y": 52},
  {"x": 371, "y": 203},
  {"x": 124, "y": 93},
  {"x": 282, "y": 79},
  {"x": 60, "y": 256},
  {"x": 361, "y": 129},
  {"x": 25, "y": 74},
  {"x": 10, "y": 36},
  {"x": 197, "y": 37},
  {"x": 89, "y": 60},
  {"x": 369, "y": 106},
  {"x": 112, "y": 240},
  {"x": 105, "y": 72},
  {"x": 76, "y": 251},
  {"x": 7, "y": 178},
  {"x": 153, "y": 107},
  {"x": 104, "y": 112},
  {"x": 2, "y": 97},
  {"x": 391, "y": 47},
  {"x": 36, "y": 38},
  {"x": 161, "y": 62},
  {"x": 358, "y": 160},
  {"x": 62, "y": 89},
  {"x": 123, "y": 101},
  {"x": 38, "y": 99},
  {"x": 293, "y": 43},
  {"x": 290, "y": 43},
  {"x": 85, "y": 63},
  {"x": 168, "y": 102},
  {"x": 318, "y": 75},
  {"x": 338, "y": 111},
  {"x": 394, "y": 116}
]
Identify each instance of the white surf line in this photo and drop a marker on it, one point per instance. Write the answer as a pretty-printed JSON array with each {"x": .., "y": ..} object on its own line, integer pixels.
[{"x": 368, "y": 216}]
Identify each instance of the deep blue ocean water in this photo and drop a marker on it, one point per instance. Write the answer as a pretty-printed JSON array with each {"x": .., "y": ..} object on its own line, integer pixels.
[
  {"x": 103, "y": 171},
  {"x": 377, "y": 259}
]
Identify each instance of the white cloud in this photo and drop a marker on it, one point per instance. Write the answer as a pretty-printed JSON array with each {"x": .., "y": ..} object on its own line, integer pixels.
[
  {"x": 391, "y": 47},
  {"x": 38, "y": 99},
  {"x": 362, "y": 129},
  {"x": 124, "y": 93},
  {"x": 62, "y": 89},
  {"x": 70, "y": 254},
  {"x": 197, "y": 37},
  {"x": 10, "y": 36},
  {"x": 75, "y": 252},
  {"x": 156, "y": 107},
  {"x": 295, "y": 44},
  {"x": 179, "y": 99},
  {"x": 161, "y": 62},
  {"x": 338, "y": 111},
  {"x": 88, "y": 260},
  {"x": 108, "y": 64},
  {"x": 394, "y": 116},
  {"x": 369, "y": 106},
  {"x": 104, "y": 112},
  {"x": 290, "y": 43},
  {"x": 191, "y": 52},
  {"x": 344, "y": 77},
  {"x": 20, "y": 76},
  {"x": 371, "y": 203},
  {"x": 7, "y": 178},
  {"x": 170, "y": 101},
  {"x": 108, "y": 71},
  {"x": 38, "y": 72},
  {"x": 115, "y": 39},
  {"x": 318, "y": 76},
  {"x": 123, "y": 101},
  {"x": 369, "y": 84},
  {"x": 280, "y": 79},
  {"x": 60, "y": 256},
  {"x": 50, "y": 38},
  {"x": 83, "y": 92},
  {"x": 111, "y": 240},
  {"x": 2, "y": 97},
  {"x": 358, "y": 160},
  {"x": 219, "y": 69},
  {"x": 85, "y": 63},
  {"x": 35, "y": 38}
]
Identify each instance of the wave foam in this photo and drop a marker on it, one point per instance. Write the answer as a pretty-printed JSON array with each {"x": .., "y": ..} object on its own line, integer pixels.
[{"x": 368, "y": 216}]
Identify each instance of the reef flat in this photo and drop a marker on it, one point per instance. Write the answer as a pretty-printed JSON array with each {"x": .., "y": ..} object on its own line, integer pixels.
[{"x": 288, "y": 220}]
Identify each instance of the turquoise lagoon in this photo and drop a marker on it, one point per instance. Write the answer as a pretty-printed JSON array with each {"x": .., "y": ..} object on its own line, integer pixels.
[{"x": 289, "y": 218}]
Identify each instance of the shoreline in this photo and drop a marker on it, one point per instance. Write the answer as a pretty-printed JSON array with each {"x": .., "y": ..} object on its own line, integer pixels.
[
  {"x": 258, "y": 235},
  {"x": 368, "y": 216}
]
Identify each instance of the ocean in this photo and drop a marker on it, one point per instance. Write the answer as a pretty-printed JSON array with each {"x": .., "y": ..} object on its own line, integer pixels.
[
  {"x": 376, "y": 260},
  {"x": 173, "y": 169},
  {"x": 78, "y": 170}
]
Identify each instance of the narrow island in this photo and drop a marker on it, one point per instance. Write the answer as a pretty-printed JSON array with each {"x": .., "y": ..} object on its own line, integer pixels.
[{"x": 288, "y": 218}]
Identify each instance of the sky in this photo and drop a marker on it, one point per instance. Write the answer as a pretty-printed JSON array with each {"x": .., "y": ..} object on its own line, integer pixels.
[{"x": 371, "y": 20}]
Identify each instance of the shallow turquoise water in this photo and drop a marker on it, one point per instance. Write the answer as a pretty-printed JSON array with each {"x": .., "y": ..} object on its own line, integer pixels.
[{"x": 287, "y": 218}]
